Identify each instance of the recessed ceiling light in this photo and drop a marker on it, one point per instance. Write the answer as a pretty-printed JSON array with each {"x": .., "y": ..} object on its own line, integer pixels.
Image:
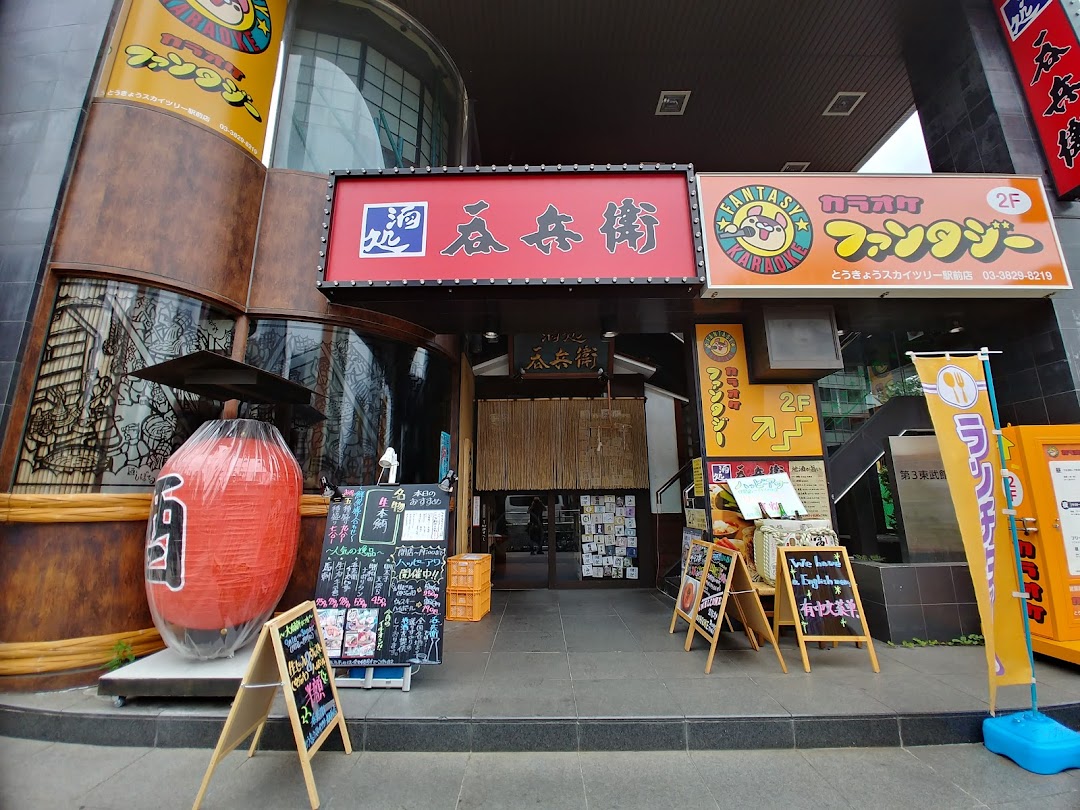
[
  {"x": 672, "y": 102},
  {"x": 491, "y": 337},
  {"x": 956, "y": 328},
  {"x": 796, "y": 166},
  {"x": 843, "y": 103}
]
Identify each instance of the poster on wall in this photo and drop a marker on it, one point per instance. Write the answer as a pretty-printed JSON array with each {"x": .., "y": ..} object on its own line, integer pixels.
[
  {"x": 861, "y": 235},
  {"x": 609, "y": 537},
  {"x": 812, "y": 486},
  {"x": 746, "y": 419},
  {"x": 211, "y": 62}
]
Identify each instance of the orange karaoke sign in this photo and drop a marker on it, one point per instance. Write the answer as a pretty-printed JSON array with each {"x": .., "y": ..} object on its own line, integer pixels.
[
  {"x": 745, "y": 419},
  {"x": 860, "y": 235},
  {"x": 208, "y": 60}
]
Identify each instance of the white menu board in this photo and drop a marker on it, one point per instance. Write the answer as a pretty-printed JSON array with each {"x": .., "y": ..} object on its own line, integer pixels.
[
  {"x": 1065, "y": 476},
  {"x": 774, "y": 492}
]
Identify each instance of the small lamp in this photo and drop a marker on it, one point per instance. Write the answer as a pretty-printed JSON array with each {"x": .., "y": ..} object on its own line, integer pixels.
[{"x": 389, "y": 461}]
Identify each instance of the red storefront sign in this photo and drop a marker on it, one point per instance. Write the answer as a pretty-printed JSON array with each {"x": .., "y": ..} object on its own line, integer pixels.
[
  {"x": 1046, "y": 53},
  {"x": 490, "y": 226}
]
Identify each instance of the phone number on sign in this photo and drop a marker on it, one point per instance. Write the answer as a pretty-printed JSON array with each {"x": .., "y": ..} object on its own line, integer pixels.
[
  {"x": 239, "y": 139},
  {"x": 1017, "y": 275}
]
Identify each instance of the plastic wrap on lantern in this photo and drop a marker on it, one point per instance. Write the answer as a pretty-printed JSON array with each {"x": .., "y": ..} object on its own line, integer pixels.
[{"x": 222, "y": 537}]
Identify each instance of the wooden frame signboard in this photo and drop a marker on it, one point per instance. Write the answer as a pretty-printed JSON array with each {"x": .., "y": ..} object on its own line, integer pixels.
[
  {"x": 724, "y": 581},
  {"x": 817, "y": 595},
  {"x": 289, "y": 653}
]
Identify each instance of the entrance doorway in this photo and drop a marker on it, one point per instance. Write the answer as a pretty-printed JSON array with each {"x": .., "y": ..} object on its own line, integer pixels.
[{"x": 559, "y": 539}]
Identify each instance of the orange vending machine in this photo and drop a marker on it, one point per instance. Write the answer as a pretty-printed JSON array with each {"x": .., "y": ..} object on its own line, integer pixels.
[{"x": 1044, "y": 475}]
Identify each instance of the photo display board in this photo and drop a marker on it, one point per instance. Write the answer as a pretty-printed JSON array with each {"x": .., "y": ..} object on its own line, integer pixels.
[
  {"x": 381, "y": 591},
  {"x": 609, "y": 537},
  {"x": 693, "y": 572}
]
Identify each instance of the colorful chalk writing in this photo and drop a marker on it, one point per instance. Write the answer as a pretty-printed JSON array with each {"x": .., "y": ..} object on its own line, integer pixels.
[
  {"x": 824, "y": 598},
  {"x": 713, "y": 588},
  {"x": 309, "y": 676},
  {"x": 382, "y": 577}
]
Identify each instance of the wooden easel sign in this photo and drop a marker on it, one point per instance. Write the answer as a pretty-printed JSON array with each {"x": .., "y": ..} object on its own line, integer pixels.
[
  {"x": 290, "y": 653},
  {"x": 817, "y": 595},
  {"x": 726, "y": 583},
  {"x": 690, "y": 585}
]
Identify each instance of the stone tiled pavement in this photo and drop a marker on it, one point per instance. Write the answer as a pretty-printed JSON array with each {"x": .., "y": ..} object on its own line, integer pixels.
[
  {"x": 598, "y": 670},
  {"x": 58, "y": 776}
]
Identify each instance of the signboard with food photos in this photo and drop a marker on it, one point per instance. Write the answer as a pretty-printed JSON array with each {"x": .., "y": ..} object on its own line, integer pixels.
[{"x": 382, "y": 576}]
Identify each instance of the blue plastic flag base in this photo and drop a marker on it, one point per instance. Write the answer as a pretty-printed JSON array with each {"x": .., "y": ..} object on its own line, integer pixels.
[{"x": 1033, "y": 741}]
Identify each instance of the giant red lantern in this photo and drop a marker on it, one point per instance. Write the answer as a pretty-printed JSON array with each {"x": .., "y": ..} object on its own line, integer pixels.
[{"x": 222, "y": 538}]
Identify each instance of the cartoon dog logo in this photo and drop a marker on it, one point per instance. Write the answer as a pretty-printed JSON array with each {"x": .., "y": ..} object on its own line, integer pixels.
[
  {"x": 763, "y": 229},
  {"x": 242, "y": 25},
  {"x": 760, "y": 231}
]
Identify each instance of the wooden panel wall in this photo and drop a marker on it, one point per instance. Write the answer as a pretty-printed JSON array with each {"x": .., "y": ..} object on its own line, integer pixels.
[
  {"x": 69, "y": 580},
  {"x": 155, "y": 198}
]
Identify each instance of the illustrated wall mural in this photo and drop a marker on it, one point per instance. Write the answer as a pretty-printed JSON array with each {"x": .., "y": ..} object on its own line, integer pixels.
[{"x": 93, "y": 428}]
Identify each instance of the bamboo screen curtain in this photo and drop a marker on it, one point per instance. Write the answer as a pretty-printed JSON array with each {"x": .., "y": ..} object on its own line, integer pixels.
[{"x": 540, "y": 444}]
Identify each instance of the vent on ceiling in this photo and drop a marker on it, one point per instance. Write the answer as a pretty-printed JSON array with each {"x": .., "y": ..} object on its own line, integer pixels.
[
  {"x": 672, "y": 102},
  {"x": 843, "y": 103},
  {"x": 796, "y": 166}
]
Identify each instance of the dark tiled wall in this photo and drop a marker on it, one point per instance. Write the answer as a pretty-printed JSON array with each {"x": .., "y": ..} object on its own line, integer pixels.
[
  {"x": 48, "y": 49},
  {"x": 975, "y": 119}
]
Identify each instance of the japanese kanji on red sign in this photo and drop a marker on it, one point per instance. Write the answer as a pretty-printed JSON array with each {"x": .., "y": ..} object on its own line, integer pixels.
[
  {"x": 1046, "y": 53},
  {"x": 495, "y": 227}
]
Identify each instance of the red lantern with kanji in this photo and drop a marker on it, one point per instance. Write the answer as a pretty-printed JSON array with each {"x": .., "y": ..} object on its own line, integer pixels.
[{"x": 222, "y": 537}]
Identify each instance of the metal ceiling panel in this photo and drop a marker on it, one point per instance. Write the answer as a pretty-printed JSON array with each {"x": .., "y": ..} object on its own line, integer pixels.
[{"x": 573, "y": 81}]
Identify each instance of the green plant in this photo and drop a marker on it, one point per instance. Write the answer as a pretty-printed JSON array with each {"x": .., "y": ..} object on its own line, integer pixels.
[
  {"x": 868, "y": 558},
  {"x": 122, "y": 654},
  {"x": 970, "y": 640}
]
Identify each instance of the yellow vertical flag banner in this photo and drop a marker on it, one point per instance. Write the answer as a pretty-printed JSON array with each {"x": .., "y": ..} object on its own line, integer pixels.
[
  {"x": 210, "y": 61},
  {"x": 959, "y": 403}
]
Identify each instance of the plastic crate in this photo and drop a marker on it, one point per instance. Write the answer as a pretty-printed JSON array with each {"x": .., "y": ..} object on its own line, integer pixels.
[
  {"x": 467, "y": 606},
  {"x": 469, "y": 572}
]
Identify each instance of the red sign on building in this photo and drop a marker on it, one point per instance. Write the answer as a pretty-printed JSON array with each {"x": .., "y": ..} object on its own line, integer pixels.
[
  {"x": 1046, "y": 53},
  {"x": 489, "y": 226}
]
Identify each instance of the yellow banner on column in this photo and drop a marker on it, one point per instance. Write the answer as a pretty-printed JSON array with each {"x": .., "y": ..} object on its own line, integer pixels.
[
  {"x": 959, "y": 403},
  {"x": 211, "y": 61}
]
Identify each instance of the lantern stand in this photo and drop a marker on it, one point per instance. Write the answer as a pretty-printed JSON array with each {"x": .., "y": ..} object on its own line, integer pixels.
[{"x": 217, "y": 377}]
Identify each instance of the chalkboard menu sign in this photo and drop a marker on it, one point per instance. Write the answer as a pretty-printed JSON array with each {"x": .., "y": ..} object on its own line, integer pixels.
[
  {"x": 824, "y": 596},
  {"x": 309, "y": 675},
  {"x": 817, "y": 595},
  {"x": 713, "y": 588},
  {"x": 382, "y": 576},
  {"x": 291, "y": 653}
]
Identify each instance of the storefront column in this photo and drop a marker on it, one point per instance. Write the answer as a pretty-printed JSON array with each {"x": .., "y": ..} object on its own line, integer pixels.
[{"x": 975, "y": 119}]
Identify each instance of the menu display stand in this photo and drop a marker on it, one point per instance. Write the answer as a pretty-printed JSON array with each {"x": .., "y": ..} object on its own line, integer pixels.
[
  {"x": 817, "y": 595},
  {"x": 716, "y": 581},
  {"x": 290, "y": 653}
]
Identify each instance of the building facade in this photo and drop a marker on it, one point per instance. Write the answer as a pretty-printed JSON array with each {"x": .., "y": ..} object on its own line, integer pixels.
[{"x": 170, "y": 170}]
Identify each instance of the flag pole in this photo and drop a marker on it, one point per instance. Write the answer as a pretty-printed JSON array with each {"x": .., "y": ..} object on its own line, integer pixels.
[{"x": 984, "y": 355}]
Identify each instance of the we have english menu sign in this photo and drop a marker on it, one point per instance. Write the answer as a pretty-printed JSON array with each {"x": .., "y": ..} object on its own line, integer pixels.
[{"x": 381, "y": 592}]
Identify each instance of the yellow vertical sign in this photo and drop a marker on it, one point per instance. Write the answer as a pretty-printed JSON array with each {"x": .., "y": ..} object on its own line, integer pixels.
[
  {"x": 956, "y": 394},
  {"x": 213, "y": 62},
  {"x": 699, "y": 477},
  {"x": 742, "y": 419}
]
